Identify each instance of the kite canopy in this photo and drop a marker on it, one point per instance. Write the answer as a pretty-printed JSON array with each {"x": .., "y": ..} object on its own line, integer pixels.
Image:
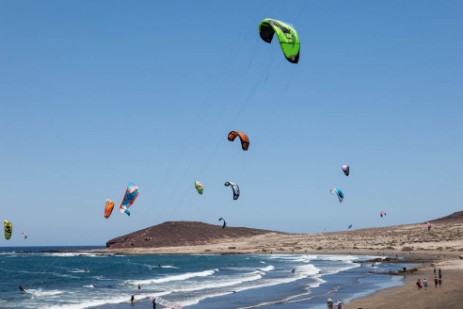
[
  {"x": 243, "y": 138},
  {"x": 338, "y": 193},
  {"x": 199, "y": 187},
  {"x": 235, "y": 188},
  {"x": 287, "y": 36},
  {"x": 130, "y": 195},
  {"x": 108, "y": 208},
  {"x": 350, "y": 226},
  {"x": 24, "y": 234},
  {"x": 345, "y": 169},
  {"x": 224, "y": 223},
  {"x": 8, "y": 229},
  {"x": 382, "y": 214}
]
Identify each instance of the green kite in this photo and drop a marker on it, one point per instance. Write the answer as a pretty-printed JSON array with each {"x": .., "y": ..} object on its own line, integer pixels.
[{"x": 287, "y": 35}]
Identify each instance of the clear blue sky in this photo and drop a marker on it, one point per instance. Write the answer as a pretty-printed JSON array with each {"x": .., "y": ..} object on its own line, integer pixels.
[{"x": 95, "y": 94}]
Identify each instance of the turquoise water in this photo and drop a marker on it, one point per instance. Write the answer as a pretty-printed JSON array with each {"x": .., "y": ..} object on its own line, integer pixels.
[{"x": 88, "y": 280}]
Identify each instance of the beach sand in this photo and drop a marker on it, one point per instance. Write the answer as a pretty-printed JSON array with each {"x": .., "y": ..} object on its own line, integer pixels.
[{"x": 448, "y": 295}]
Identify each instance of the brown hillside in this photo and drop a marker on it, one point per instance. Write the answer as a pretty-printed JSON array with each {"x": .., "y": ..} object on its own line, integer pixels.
[
  {"x": 181, "y": 233},
  {"x": 453, "y": 218}
]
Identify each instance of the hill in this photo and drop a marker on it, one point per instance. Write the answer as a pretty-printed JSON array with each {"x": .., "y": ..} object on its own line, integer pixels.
[
  {"x": 456, "y": 217},
  {"x": 182, "y": 233},
  {"x": 446, "y": 236}
]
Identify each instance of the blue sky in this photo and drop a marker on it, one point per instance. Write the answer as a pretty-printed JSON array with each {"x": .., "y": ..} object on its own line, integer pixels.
[{"x": 96, "y": 94}]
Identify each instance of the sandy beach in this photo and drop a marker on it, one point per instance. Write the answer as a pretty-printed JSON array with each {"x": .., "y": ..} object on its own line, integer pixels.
[{"x": 447, "y": 295}]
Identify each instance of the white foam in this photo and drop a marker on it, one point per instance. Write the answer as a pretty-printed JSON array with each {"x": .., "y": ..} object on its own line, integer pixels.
[
  {"x": 64, "y": 275},
  {"x": 40, "y": 292},
  {"x": 181, "y": 277},
  {"x": 341, "y": 268},
  {"x": 101, "y": 278},
  {"x": 306, "y": 270},
  {"x": 196, "y": 300},
  {"x": 267, "y": 269},
  {"x": 221, "y": 283},
  {"x": 79, "y": 270},
  {"x": 74, "y": 254},
  {"x": 317, "y": 283},
  {"x": 105, "y": 301},
  {"x": 167, "y": 266}
]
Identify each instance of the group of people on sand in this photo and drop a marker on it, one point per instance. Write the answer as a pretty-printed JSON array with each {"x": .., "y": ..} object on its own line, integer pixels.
[
  {"x": 330, "y": 303},
  {"x": 437, "y": 280}
]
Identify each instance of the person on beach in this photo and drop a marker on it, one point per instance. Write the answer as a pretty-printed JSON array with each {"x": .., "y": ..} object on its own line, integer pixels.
[
  {"x": 425, "y": 283},
  {"x": 440, "y": 276},
  {"x": 340, "y": 304},
  {"x": 435, "y": 281},
  {"x": 330, "y": 303},
  {"x": 418, "y": 284}
]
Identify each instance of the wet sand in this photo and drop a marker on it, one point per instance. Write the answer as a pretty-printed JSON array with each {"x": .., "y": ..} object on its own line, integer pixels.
[{"x": 447, "y": 295}]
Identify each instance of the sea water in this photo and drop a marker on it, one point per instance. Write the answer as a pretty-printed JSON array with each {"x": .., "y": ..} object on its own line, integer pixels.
[{"x": 89, "y": 280}]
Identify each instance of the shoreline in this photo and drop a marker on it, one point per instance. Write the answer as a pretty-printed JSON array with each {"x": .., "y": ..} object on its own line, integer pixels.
[
  {"x": 407, "y": 295},
  {"x": 447, "y": 295},
  {"x": 404, "y": 296}
]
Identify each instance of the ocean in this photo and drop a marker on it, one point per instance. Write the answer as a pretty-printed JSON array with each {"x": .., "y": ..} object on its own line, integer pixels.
[{"x": 88, "y": 280}]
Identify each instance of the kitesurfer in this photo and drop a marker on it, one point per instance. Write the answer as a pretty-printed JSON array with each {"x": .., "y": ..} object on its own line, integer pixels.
[
  {"x": 132, "y": 300},
  {"x": 22, "y": 289},
  {"x": 154, "y": 303}
]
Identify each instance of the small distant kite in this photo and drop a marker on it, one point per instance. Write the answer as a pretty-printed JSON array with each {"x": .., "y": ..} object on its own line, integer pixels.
[
  {"x": 8, "y": 227},
  {"x": 224, "y": 223},
  {"x": 130, "y": 195},
  {"x": 350, "y": 226},
  {"x": 338, "y": 193},
  {"x": 429, "y": 225},
  {"x": 108, "y": 209},
  {"x": 287, "y": 36},
  {"x": 24, "y": 235},
  {"x": 382, "y": 214},
  {"x": 235, "y": 188},
  {"x": 243, "y": 138},
  {"x": 199, "y": 187},
  {"x": 345, "y": 169}
]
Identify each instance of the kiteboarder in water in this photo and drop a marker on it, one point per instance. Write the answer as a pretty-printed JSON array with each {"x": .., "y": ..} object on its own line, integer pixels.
[{"x": 22, "y": 289}]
